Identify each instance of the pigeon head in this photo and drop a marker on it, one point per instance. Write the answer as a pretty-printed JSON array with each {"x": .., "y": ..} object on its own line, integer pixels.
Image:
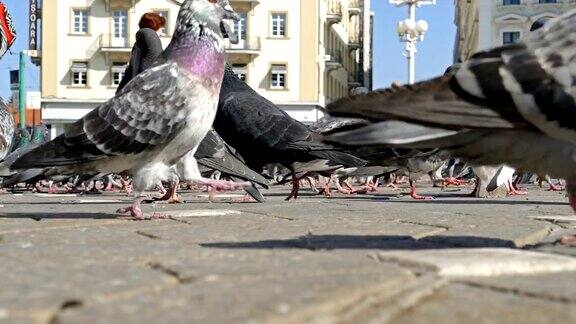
[{"x": 205, "y": 18}]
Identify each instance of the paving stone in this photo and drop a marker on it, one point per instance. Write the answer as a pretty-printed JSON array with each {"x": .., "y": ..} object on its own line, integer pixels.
[
  {"x": 558, "y": 287},
  {"x": 483, "y": 262},
  {"x": 459, "y": 303},
  {"x": 70, "y": 260}
]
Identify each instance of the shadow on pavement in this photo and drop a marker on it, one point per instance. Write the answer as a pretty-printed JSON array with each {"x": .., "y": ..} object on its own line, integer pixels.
[
  {"x": 42, "y": 216},
  {"x": 378, "y": 242}
]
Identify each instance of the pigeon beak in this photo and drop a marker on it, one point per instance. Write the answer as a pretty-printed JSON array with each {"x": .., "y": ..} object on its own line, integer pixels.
[{"x": 228, "y": 32}]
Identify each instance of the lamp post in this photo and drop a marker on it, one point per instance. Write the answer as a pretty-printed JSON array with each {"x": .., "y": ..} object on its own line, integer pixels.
[{"x": 411, "y": 31}]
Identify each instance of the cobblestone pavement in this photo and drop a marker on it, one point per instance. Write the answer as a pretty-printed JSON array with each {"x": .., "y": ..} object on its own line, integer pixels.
[{"x": 366, "y": 258}]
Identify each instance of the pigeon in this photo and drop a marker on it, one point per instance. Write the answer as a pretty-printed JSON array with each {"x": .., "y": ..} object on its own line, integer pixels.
[
  {"x": 262, "y": 134},
  {"x": 6, "y": 130},
  {"x": 384, "y": 160},
  {"x": 511, "y": 105},
  {"x": 157, "y": 118}
]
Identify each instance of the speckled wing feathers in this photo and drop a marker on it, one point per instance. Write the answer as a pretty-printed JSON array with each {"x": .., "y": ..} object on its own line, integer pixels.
[{"x": 149, "y": 112}]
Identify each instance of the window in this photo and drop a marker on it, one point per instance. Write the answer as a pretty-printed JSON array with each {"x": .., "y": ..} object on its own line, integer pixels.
[
  {"x": 164, "y": 30},
  {"x": 119, "y": 38},
  {"x": 510, "y": 37},
  {"x": 79, "y": 73},
  {"x": 80, "y": 21},
  {"x": 240, "y": 26},
  {"x": 548, "y": 1},
  {"x": 511, "y": 2},
  {"x": 117, "y": 72},
  {"x": 279, "y": 25},
  {"x": 278, "y": 77},
  {"x": 241, "y": 71}
]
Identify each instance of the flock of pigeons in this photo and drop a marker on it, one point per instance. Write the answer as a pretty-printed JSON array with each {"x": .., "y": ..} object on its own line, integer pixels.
[{"x": 189, "y": 115}]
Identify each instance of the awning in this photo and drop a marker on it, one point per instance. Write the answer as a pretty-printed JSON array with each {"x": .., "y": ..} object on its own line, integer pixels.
[
  {"x": 119, "y": 68},
  {"x": 79, "y": 67},
  {"x": 279, "y": 69}
]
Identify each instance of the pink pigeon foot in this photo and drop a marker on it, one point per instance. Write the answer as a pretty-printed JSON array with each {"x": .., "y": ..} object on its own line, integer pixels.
[
  {"x": 568, "y": 240},
  {"x": 295, "y": 188},
  {"x": 514, "y": 192},
  {"x": 416, "y": 196},
  {"x": 136, "y": 212},
  {"x": 453, "y": 182},
  {"x": 554, "y": 187},
  {"x": 245, "y": 199}
]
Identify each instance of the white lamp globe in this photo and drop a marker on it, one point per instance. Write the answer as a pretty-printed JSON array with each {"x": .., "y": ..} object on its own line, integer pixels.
[
  {"x": 401, "y": 28},
  {"x": 410, "y": 25},
  {"x": 422, "y": 26}
]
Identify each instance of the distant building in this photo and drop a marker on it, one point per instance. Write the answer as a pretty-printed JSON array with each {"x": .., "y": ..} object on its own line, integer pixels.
[
  {"x": 484, "y": 24},
  {"x": 301, "y": 54}
]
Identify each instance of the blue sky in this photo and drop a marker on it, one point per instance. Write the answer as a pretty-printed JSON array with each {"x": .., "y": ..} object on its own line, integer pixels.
[{"x": 434, "y": 54}]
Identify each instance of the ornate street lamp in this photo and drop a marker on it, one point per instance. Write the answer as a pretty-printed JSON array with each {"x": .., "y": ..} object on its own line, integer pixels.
[{"x": 411, "y": 31}]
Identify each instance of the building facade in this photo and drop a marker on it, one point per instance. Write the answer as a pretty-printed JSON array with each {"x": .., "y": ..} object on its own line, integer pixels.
[
  {"x": 484, "y": 24},
  {"x": 300, "y": 54}
]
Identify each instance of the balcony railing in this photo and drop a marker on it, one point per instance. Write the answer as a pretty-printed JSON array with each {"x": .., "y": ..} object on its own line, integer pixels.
[
  {"x": 245, "y": 46},
  {"x": 334, "y": 8},
  {"x": 335, "y": 57},
  {"x": 108, "y": 42},
  {"x": 355, "y": 39},
  {"x": 355, "y": 79},
  {"x": 355, "y": 6}
]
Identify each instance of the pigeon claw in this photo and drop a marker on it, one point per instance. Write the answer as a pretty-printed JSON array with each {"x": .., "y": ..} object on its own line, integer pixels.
[{"x": 136, "y": 213}]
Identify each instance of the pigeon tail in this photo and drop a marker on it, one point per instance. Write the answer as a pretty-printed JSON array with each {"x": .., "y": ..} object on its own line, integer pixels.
[
  {"x": 255, "y": 193},
  {"x": 340, "y": 158},
  {"x": 437, "y": 102},
  {"x": 30, "y": 175},
  {"x": 54, "y": 153},
  {"x": 230, "y": 165}
]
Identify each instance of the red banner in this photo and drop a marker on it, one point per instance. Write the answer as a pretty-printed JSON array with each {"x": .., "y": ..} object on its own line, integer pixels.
[{"x": 7, "y": 32}]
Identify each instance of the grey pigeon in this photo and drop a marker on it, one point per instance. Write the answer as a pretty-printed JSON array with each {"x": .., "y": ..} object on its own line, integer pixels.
[
  {"x": 160, "y": 116},
  {"x": 510, "y": 105},
  {"x": 6, "y": 130},
  {"x": 384, "y": 160},
  {"x": 262, "y": 133}
]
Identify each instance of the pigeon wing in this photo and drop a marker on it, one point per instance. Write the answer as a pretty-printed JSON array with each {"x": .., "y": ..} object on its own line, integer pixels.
[
  {"x": 542, "y": 77},
  {"x": 149, "y": 112}
]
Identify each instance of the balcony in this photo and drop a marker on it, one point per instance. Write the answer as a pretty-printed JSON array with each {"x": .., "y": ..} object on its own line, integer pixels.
[
  {"x": 355, "y": 7},
  {"x": 334, "y": 11},
  {"x": 131, "y": 3},
  {"x": 109, "y": 43},
  {"x": 251, "y": 46},
  {"x": 355, "y": 40},
  {"x": 334, "y": 59},
  {"x": 355, "y": 79}
]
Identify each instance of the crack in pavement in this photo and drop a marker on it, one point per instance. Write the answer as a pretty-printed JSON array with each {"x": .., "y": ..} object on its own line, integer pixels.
[
  {"x": 445, "y": 228},
  {"x": 417, "y": 268},
  {"x": 171, "y": 272},
  {"x": 268, "y": 215},
  {"x": 377, "y": 303},
  {"x": 148, "y": 235},
  {"x": 66, "y": 305},
  {"x": 519, "y": 292}
]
